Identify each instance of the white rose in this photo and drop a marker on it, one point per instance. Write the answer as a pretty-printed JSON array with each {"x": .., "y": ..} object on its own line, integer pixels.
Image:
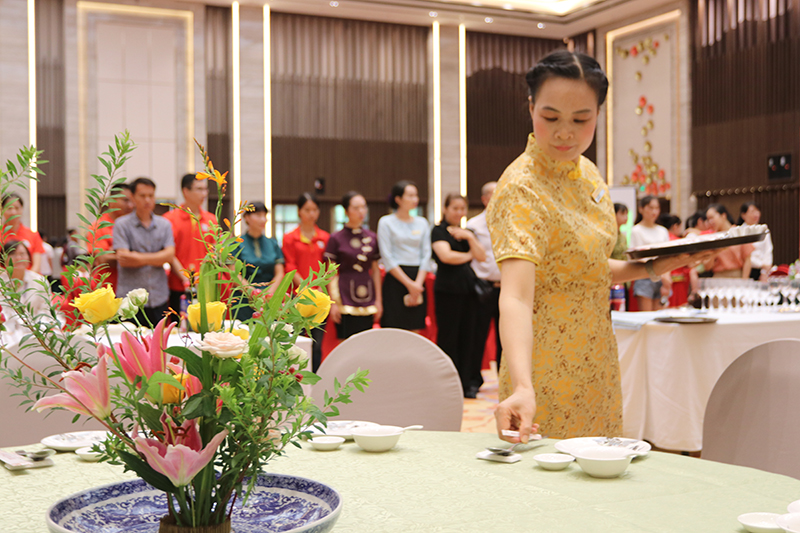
[
  {"x": 138, "y": 297},
  {"x": 287, "y": 328},
  {"x": 222, "y": 344},
  {"x": 127, "y": 309},
  {"x": 297, "y": 353}
]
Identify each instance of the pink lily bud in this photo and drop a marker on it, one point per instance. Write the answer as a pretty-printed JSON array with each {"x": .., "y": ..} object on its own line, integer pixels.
[
  {"x": 146, "y": 357},
  {"x": 87, "y": 393}
]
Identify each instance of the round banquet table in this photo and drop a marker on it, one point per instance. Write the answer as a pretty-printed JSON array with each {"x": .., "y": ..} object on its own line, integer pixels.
[
  {"x": 432, "y": 482},
  {"x": 669, "y": 370}
]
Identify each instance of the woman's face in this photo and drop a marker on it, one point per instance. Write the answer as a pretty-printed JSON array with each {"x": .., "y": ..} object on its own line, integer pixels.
[
  {"x": 309, "y": 213},
  {"x": 256, "y": 221},
  {"x": 622, "y": 218},
  {"x": 13, "y": 209},
  {"x": 357, "y": 210},
  {"x": 20, "y": 258},
  {"x": 564, "y": 117},
  {"x": 650, "y": 212},
  {"x": 409, "y": 200},
  {"x": 454, "y": 212},
  {"x": 752, "y": 215},
  {"x": 715, "y": 220}
]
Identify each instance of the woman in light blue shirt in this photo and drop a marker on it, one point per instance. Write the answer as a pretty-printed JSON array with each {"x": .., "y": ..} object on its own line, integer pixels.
[{"x": 405, "y": 246}]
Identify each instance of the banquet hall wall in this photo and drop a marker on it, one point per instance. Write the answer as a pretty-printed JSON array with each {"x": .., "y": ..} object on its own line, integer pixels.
[{"x": 746, "y": 107}]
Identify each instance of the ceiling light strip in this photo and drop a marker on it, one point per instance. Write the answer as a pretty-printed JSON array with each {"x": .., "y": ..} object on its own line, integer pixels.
[
  {"x": 267, "y": 121},
  {"x": 462, "y": 105},
  {"x": 237, "y": 126},
  {"x": 437, "y": 125}
]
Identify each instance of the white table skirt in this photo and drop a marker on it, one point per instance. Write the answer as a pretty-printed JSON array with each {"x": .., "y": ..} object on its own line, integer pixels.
[{"x": 669, "y": 370}]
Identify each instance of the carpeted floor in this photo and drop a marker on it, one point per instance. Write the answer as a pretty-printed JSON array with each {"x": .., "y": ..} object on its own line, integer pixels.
[{"x": 479, "y": 412}]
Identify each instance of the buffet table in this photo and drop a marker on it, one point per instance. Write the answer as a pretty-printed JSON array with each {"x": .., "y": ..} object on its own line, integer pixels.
[
  {"x": 669, "y": 370},
  {"x": 432, "y": 482}
]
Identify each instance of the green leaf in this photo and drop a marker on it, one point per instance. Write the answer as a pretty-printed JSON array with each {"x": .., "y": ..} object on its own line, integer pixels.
[
  {"x": 146, "y": 472},
  {"x": 194, "y": 364},
  {"x": 201, "y": 404},
  {"x": 150, "y": 415},
  {"x": 309, "y": 378}
]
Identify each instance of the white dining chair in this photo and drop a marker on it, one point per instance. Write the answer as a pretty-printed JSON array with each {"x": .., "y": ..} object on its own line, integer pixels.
[
  {"x": 18, "y": 426},
  {"x": 413, "y": 380},
  {"x": 753, "y": 415}
]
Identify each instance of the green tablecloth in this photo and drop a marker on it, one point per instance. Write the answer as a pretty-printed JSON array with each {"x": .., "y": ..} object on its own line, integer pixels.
[{"x": 432, "y": 482}]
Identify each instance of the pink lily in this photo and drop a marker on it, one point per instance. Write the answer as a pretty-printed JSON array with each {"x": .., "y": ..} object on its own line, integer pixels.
[
  {"x": 87, "y": 393},
  {"x": 179, "y": 462},
  {"x": 190, "y": 383},
  {"x": 186, "y": 434},
  {"x": 146, "y": 357}
]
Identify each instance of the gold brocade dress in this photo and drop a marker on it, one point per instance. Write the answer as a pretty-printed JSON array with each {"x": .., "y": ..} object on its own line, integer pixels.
[{"x": 559, "y": 216}]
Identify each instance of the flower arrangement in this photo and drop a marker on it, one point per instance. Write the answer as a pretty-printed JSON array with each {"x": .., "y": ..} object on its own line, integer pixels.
[{"x": 199, "y": 419}]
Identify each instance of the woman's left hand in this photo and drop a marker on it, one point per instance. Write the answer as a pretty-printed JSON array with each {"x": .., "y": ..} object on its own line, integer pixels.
[
  {"x": 459, "y": 234},
  {"x": 379, "y": 313}
]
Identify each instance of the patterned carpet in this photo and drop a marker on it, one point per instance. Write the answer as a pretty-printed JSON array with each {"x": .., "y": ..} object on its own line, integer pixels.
[{"x": 479, "y": 413}]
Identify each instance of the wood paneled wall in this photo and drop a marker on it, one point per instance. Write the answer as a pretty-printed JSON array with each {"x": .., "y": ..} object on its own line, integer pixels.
[
  {"x": 498, "y": 121},
  {"x": 746, "y": 107},
  {"x": 350, "y": 105}
]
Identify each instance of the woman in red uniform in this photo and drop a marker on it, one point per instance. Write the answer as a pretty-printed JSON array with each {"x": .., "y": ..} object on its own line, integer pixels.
[{"x": 303, "y": 249}]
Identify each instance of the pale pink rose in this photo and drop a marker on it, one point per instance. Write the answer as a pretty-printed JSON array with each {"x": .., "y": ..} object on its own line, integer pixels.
[{"x": 222, "y": 344}]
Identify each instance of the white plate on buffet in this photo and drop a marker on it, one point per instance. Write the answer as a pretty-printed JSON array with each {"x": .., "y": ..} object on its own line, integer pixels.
[
  {"x": 341, "y": 428},
  {"x": 69, "y": 442},
  {"x": 569, "y": 446}
]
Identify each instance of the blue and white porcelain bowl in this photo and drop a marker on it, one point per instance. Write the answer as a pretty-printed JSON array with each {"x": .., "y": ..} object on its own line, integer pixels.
[{"x": 278, "y": 503}]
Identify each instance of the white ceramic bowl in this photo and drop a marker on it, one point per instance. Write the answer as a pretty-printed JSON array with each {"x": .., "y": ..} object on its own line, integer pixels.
[
  {"x": 87, "y": 454},
  {"x": 760, "y": 522},
  {"x": 553, "y": 461},
  {"x": 326, "y": 444},
  {"x": 377, "y": 438},
  {"x": 794, "y": 507},
  {"x": 604, "y": 461},
  {"x": 789, "y": 522}
]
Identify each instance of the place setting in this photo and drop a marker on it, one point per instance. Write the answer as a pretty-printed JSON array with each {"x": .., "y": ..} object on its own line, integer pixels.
[{"x": 368, "y": 436}]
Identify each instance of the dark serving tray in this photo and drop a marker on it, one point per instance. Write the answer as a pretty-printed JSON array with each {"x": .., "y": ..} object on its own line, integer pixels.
[{"x": 663, "y": 250}]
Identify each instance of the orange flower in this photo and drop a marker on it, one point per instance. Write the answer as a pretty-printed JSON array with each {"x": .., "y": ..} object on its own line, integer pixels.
[
  {"x": 219, "y": 178},
  {"x": 202, "y": 176}
]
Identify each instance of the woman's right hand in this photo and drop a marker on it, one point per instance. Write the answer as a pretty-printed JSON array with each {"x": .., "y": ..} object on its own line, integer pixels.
[
  {"x": 335, "y": 313},
  {"x": 415, "y": 291},
  {"x": 516, "y": 413}
]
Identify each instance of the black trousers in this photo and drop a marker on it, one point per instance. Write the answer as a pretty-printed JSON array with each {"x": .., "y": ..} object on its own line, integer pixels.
[
  {"x": 317, "y": 335},
  {"x": 455, "y": 320},
  {"x": 485, "y": 313}
]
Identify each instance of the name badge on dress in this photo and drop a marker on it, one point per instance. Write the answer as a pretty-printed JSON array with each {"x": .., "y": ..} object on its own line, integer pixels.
[{"x": 598, "y": 194}]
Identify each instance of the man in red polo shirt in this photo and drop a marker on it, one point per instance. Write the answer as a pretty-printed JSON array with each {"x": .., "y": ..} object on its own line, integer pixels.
[
  {"x": 189, "y": 248},
  {"x": 120, "y": 204}
]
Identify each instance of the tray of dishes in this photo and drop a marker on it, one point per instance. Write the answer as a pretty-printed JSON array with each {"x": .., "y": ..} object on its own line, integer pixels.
[
  {"x": 686, "y": 319},
  {"x": 700, "y": 243}
]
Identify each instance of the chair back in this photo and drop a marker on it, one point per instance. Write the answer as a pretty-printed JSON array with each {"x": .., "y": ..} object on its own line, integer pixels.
[
  {"x": 413, "y": 380},
  {"x": 752, "y": 417},
  {"x": 19, "y": 427}
]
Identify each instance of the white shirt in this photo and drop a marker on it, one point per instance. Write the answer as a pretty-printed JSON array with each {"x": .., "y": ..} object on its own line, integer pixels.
[
  {"x": 486, "y": 269},
  {"x": 644, "y": 236},
  {"x": 47, "y": 260}
]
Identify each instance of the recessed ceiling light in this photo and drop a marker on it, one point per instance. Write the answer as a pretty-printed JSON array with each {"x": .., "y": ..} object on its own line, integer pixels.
[
  {"x": 488, "y": 20},
  {"x": 334, "y": 3},
  {"x": 540, "y": 25},
  {"x": 433, "y": 14}
]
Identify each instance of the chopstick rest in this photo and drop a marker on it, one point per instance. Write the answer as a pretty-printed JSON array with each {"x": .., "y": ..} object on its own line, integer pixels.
[
  {"x": 12, "y": 461},
  {"x": 486, "y": 455}
]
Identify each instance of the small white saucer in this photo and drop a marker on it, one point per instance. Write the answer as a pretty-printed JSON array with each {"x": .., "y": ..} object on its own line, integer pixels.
[
  {"x": 553, "y": 461},
  {"x": 794, "y": 507},
  {"x": 326, "y": 444},
  {"x": 87, "y": 454},
  {"x": 760, "y": 522},
  {"x": 789, "y": 522}
]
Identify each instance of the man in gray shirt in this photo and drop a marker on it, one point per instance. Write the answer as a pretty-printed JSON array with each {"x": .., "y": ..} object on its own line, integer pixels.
[{"x": 143, "y": 242}]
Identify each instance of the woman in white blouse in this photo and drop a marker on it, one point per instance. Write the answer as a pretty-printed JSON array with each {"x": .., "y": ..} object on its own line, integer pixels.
[
  {"x": 650, "y": 294},
  {"x": 761, "y": 258},
  {"x": 405, "y": 244},
  {"x": 32, "y": 289}
]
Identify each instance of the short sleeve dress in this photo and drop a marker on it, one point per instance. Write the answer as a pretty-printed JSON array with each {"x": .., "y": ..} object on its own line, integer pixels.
[{"x": 559, "y": 216}]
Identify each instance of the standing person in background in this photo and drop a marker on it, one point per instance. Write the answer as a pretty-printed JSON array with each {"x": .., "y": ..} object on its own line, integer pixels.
[
  {"x": 48, "y": 258},
  {"x": 405, "y": 246},
  {"x": 697, "y": 224},
  {"x": 761, "y": 258},
  {"x": 188, "y": 235},
  {"x": 262, "y": 256},
  {"x": 100, "y": 236},
  {"x": 303, "y": 250},
  {"x": 680, "y": 276},
  {"x": 14, "y": 229},
  {"x": 487, "y": 270},
  {"x": 453, "y": 250},
  {"x": 731, "y": 262},
  {"x": 621, "y": 213},
  {"x": 650, "y": 295},
  {"x": 143, "y": 242},
  {"x": 356, "y": 290}
]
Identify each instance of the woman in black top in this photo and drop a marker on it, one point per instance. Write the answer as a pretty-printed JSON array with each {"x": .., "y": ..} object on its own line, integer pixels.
[{"x": 453, "y": 249}]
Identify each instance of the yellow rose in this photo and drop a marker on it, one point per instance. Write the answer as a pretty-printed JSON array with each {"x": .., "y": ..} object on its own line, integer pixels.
[
  {"x": 318, "y": 310},
  {"x": 172, "y": 394},
  {"x": 242, "y": 333},
  {"x": 215, "y": 314},
  {"x": 99, "y": 305}
]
